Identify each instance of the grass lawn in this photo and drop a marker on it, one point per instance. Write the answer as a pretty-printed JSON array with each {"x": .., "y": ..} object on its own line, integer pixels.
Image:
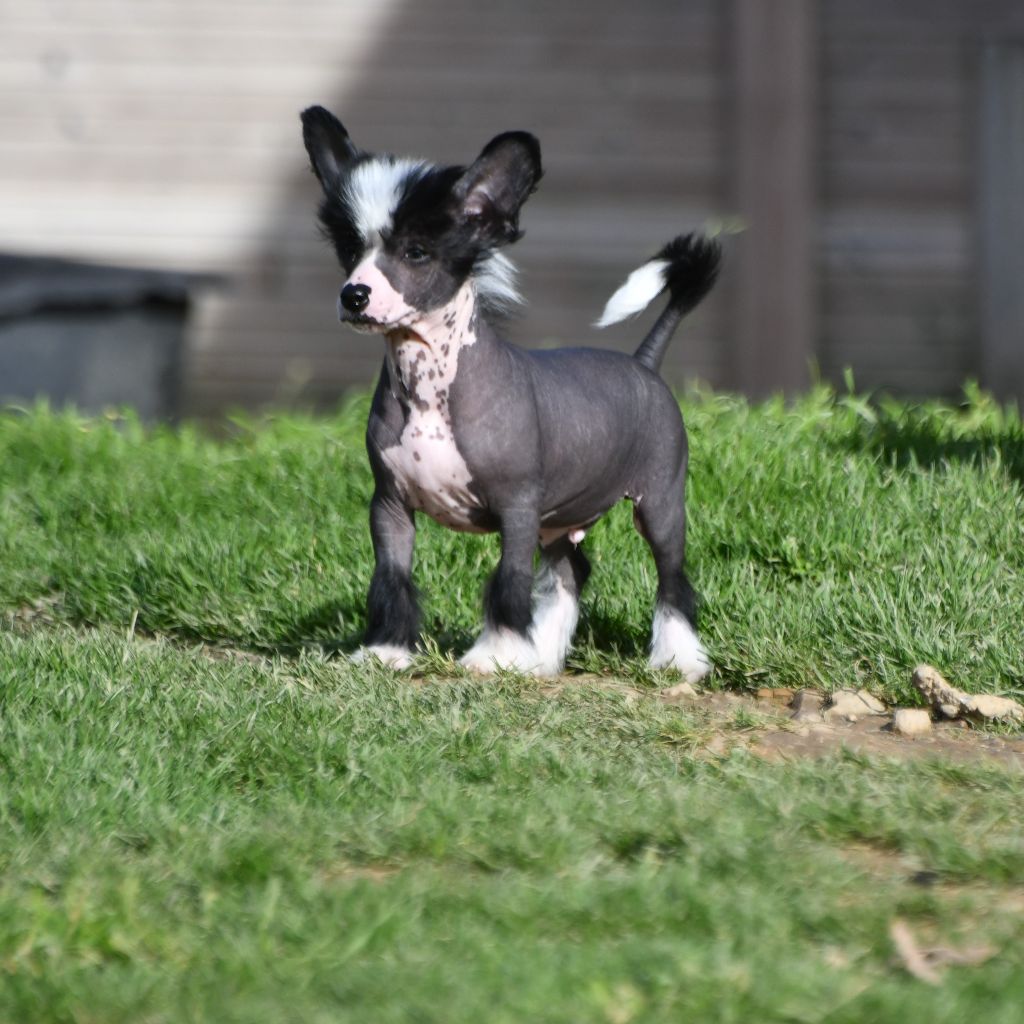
[{"x": 207, "y": 814}]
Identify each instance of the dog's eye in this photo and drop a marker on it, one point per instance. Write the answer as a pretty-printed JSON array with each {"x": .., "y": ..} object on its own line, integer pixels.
[{"x": 416, "y": 254}]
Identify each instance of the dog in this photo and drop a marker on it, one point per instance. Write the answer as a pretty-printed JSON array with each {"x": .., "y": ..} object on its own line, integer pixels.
[{"x": 484, "y": 436}]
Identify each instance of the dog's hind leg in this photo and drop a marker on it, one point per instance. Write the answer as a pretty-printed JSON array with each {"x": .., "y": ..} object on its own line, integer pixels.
[
  {"x": 560, "y": 580},
  {"x": 393, "y": 621},
  {"x": 661, "y": 519}
]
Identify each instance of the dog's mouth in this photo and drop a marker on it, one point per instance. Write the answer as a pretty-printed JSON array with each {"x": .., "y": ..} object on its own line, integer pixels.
[
  {"x": 395, "y": 333},
  {"x": 364, "y": 324}
]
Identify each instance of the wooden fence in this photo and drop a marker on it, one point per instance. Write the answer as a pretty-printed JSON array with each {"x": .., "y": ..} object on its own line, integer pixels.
[{"x": 859, "y": 140}]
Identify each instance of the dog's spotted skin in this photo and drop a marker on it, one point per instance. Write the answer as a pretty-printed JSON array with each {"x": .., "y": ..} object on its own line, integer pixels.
[{"x": 429, "y": 471}]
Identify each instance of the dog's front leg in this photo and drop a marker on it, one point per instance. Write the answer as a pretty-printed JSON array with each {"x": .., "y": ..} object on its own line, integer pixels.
[
  {"x": 393, "y": 618},
  {"x": 505, "y": 641}
]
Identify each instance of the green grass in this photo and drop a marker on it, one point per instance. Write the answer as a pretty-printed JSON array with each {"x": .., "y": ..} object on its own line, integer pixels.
[
  {"x": 833, "y": 542},
  {"x": 286, "y": 837}
]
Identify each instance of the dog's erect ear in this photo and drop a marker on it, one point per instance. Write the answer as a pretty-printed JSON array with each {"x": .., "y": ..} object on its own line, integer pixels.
[
  {"x": 494, "y": 187},
  {"x": 329, "y": 147}
]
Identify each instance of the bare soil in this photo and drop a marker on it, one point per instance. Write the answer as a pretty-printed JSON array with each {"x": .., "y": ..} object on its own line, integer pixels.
[{"x": 778, "y": 735}]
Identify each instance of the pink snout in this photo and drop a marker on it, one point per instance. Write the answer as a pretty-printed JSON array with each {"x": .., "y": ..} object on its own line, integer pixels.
[{"x": 368, "y": 295}]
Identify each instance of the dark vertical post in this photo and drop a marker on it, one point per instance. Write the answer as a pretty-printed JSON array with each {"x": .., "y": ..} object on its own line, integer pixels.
[
  {"x": 775, "y": 83},
  {"x": 1001, "y": 208}
]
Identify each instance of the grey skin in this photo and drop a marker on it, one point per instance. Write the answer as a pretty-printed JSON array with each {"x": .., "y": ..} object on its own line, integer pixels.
[{"x": 551, "y": 439}]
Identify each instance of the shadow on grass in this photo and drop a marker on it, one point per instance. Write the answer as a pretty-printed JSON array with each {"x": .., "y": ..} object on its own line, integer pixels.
[
  {"x": 604, "y": 631},
  {"x": 979, "y": 433},
  {"x": 335, "y": 627}
]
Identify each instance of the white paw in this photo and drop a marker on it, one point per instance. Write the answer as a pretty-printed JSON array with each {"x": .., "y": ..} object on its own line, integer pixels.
[
  {"x": 674, "y": 645},
  {"x": 554, "y": 622},
  {"x": 387, "y": 654},
  {"x": 502, "y": 648}
]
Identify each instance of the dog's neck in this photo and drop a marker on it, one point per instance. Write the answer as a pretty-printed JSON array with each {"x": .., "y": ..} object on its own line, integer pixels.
[
  {"x": 423, "y": 354},
  {"x": 453, "y": 324}
]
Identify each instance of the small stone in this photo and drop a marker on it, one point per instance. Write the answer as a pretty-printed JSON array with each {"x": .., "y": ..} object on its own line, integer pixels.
[
  {"x": 681, "y": 691},
  {"x": 806, "y": 705},
  {"x": 911, "y": 722},
  {"x": 853, "y": 704}
]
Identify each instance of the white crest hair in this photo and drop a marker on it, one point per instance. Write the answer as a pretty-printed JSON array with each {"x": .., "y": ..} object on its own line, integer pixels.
[
  {"x": 373, "y": 190},
  {"x": 638, "y": 291},
  {"x": 495, "y": 279}
]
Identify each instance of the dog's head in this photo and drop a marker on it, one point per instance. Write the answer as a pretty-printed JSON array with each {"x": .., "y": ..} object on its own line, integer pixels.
[{"x": 410, "y": 235}]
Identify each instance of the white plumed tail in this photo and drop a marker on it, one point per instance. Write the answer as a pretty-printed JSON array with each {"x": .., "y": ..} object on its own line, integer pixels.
[{"x": 641, "y": 287}]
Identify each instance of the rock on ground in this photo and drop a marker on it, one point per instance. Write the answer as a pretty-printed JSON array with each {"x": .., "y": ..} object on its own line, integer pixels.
[
  {"x": 853, "y": 704},
  {"x": 954, "y": 703},
  {"x": 806, "y": 705},
  {"x": 911, "y": 722}
]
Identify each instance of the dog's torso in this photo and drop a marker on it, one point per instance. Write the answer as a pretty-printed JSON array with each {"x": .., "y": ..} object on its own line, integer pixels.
[{"x": 461, "y": 432}]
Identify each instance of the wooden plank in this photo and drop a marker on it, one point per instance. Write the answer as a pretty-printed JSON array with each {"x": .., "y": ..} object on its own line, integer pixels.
[
  {"x": 933, "y": 293},
  {"x": 646, "y": 17},
  {"x": 669, "y": 173},
  {"x": 891, "y": 238},
  {"x": 774, "y": 72},
  {"x": 1001, "y": 202},
  {"x": 881, "y": 20},
  {"x": 634, "y": 52},
  {"x": 218, "y": 229},
  {"x": 910, "y": 187}
]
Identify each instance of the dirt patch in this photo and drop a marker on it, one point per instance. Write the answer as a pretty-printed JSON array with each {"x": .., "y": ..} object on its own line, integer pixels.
[
  {"x": 782, "y": 723},
  {"x": 781, "y": 736}
]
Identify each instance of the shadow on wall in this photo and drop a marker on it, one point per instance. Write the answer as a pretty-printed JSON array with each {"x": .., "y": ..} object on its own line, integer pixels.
[{"x": 628, "y": 111}]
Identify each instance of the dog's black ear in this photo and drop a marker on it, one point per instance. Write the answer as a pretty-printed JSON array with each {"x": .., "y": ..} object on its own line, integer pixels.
[
  {"x": 329, "y": 147},
  {"x": 494, "y": 187}
]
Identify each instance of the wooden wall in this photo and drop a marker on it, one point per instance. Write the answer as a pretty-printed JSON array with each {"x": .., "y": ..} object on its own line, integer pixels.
[
  {"x": 166, "y": 133},
  {"x": 899, "y": 146}
]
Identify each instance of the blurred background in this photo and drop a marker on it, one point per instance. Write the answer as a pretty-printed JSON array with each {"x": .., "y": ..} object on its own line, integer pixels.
[{"x": 863, "y": 158}]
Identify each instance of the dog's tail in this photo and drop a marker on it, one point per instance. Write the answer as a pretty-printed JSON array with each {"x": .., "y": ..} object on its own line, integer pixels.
[{"x": 687, "y": 267}]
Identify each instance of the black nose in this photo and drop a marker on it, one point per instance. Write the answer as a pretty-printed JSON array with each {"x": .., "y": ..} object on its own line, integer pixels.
[{"x": 355, "y": 297}]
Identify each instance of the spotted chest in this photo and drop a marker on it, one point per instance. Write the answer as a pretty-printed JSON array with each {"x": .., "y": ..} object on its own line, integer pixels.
[{"x": 428, "y": 468}]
